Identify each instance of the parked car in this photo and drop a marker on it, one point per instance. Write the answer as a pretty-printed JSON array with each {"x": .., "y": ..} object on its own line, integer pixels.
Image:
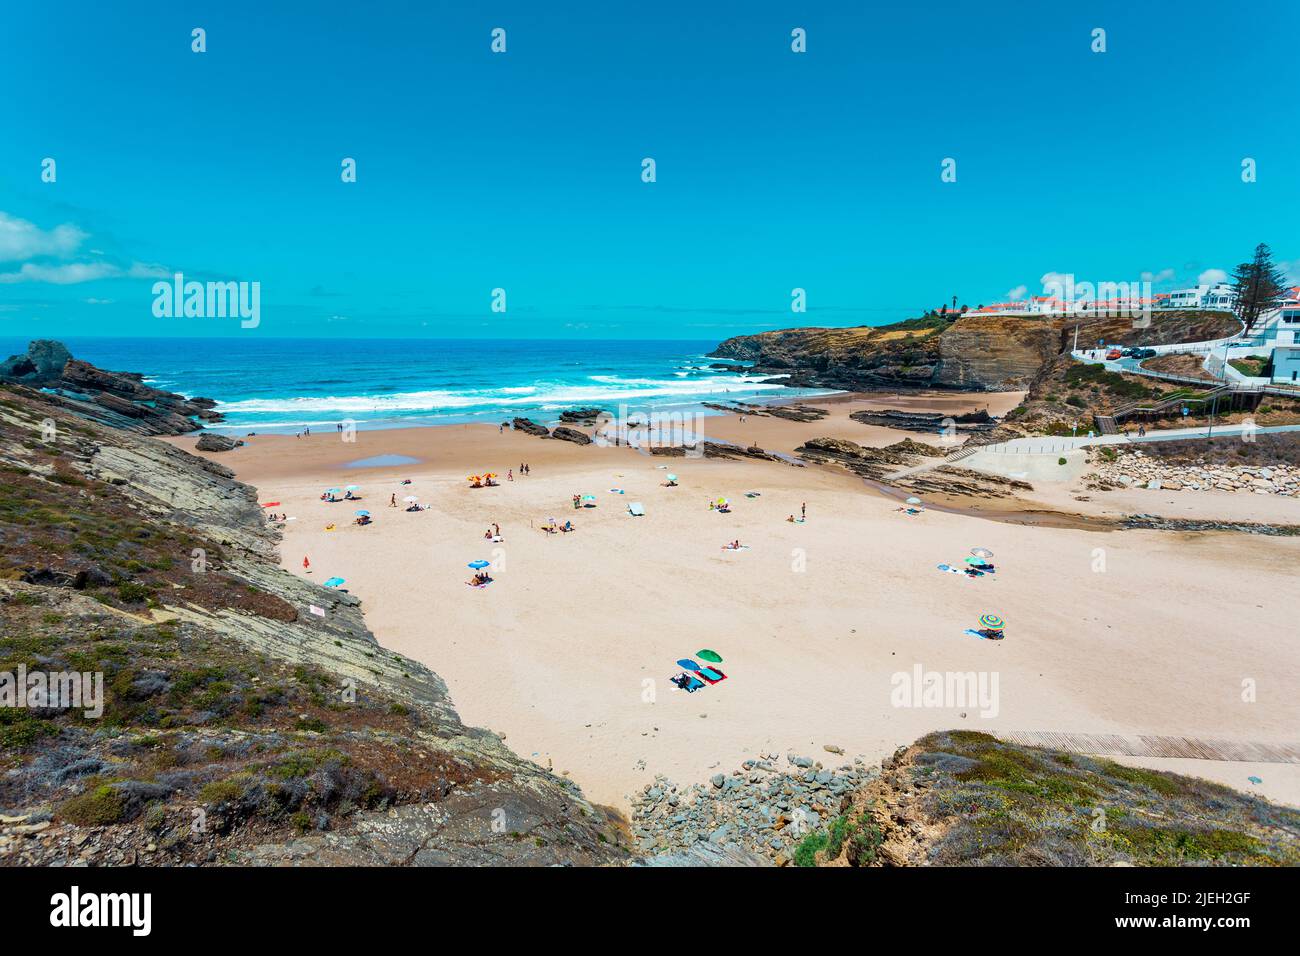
[
  {"x": 1143, "y": 353},
  {"x": 1114, "y": 354}
]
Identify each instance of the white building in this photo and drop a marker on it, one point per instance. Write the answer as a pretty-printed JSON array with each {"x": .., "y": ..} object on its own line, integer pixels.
[{"x": 1219, "y": 296}]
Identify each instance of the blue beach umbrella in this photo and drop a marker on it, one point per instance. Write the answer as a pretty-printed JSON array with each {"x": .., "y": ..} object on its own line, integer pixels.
[
  {"x": 331, "y": 491},
  {"x": 362, "y": 514},
  {"x": 353, "y": 488},
  {"x": 334, "y": 582},
  {"x": 479, "y": 565}
]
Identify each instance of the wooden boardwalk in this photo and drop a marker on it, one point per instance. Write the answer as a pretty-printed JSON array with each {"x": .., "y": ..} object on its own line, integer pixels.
[{"x": 1198, "y": 748}]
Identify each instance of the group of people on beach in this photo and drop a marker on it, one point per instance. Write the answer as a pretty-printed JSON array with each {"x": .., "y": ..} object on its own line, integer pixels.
[{"x": 493, "y": 533}]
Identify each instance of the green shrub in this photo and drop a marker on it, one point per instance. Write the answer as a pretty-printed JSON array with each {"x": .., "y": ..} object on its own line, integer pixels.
[
  {"x": 805, "y": 853},
  {"x": 98, "y": 807}
]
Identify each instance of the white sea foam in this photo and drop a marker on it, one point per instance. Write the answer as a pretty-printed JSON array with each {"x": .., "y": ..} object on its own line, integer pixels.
[{"x": 608, "y": 389}]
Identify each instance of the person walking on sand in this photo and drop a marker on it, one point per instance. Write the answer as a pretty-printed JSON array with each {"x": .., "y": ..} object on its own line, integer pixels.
[
  {"x": 306, "y": 565},
  {"x": 803, "y": 510},
  {"x": 392, "y": 501},
  {"x": 510, "y": 474}
]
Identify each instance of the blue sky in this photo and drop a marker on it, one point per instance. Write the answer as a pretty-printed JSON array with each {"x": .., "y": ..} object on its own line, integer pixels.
[{"x": 522, "y": 170}]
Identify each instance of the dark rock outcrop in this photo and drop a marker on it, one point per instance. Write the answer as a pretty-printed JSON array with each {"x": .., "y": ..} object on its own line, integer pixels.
[
  {"x": 925, "y": 422},
  {"x": 565, "y": 433},
  {"x": 118, "y": 399},
  {"x": 42, "y": 365},
  {"x": 581, "y": 416},
  {"x": 530, "y": 427}
]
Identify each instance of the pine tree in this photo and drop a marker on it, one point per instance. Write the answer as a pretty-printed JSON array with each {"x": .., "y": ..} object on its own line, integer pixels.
[{"x": 1260, "y": 286}]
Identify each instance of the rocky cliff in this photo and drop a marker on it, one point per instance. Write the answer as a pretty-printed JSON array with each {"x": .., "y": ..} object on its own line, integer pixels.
[
  {"x": 249, "y": 716},
  {"x": 119, "y": 399},
  {"x": 971, "y": 352}
]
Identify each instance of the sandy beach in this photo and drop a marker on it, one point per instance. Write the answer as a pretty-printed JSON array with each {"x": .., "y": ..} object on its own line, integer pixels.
[{"x": 569, "y": 651}]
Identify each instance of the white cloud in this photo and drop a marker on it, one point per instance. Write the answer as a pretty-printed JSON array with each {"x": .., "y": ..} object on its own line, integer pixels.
[
  {"x": 1018, "y": 292},
  {"x": 67, "y": 274},
  {"x": 148, "y": 270},
  {"x": 1211, "y": 276},
  {"x": 1164, "y": 275},
  {"x": 20, "y": 239},
  {"x": 1058, "y": 281}
]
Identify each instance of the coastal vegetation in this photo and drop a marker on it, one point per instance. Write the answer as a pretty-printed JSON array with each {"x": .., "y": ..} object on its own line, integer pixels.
[{"x": 962, "y": 798}]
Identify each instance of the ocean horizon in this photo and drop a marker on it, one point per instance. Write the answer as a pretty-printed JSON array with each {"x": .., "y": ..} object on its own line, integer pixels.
[{"x": 283, "y": 385}]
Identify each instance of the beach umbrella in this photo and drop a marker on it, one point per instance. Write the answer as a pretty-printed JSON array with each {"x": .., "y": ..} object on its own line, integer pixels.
[
  {"x": 687, "y": 664},
  {"x": 713, "y": 657},
  {"x": 331, "y": 491},
  {"x": 913, "y": 501},
  {"x": 981, "y": 552},
  {"x": 992, "y": 622},
  {"x": 588, "y": 497},
  {"x": 334, "y": 582},
  {"x": 411, "y": 499},
  {"x": 362, "y": 514},
  {"x": 352, "y": 488},
  {"x": 479, "y": 565},
  {"x": 671, "y": 477}
]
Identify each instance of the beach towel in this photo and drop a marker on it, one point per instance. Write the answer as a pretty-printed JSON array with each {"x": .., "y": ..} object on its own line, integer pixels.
[
  {"x": 711, "y": 674},
  {"x": 686, "y": 682},
  {"x": 616, "y": 491},
  {"x": 983, "y": 637},
  {"x": 483, "y": 585},
  {"x": 743, "y": 547}
]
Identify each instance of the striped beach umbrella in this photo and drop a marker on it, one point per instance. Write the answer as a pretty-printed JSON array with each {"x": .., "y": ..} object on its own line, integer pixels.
[
  {"x": 993, "y": 622},
  {"x": 981, "y": 552}
]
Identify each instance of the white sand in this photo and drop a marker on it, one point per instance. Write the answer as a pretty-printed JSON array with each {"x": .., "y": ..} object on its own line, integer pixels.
[{"x": 569, "y": 652}]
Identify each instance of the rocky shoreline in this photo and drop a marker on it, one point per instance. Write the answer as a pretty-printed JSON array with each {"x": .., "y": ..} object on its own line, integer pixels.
[{"x": 118, "y": 399}]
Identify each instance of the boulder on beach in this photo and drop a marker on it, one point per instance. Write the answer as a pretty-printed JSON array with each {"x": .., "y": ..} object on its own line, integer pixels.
[
  {"x": 565, "y": 433},
  {"x": 211, "y": 441},
  {"x": 530, "y": 427}
]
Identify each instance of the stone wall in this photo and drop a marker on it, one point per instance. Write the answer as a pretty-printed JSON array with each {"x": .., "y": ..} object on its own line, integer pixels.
[{"x": 1136, "y": 469}]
